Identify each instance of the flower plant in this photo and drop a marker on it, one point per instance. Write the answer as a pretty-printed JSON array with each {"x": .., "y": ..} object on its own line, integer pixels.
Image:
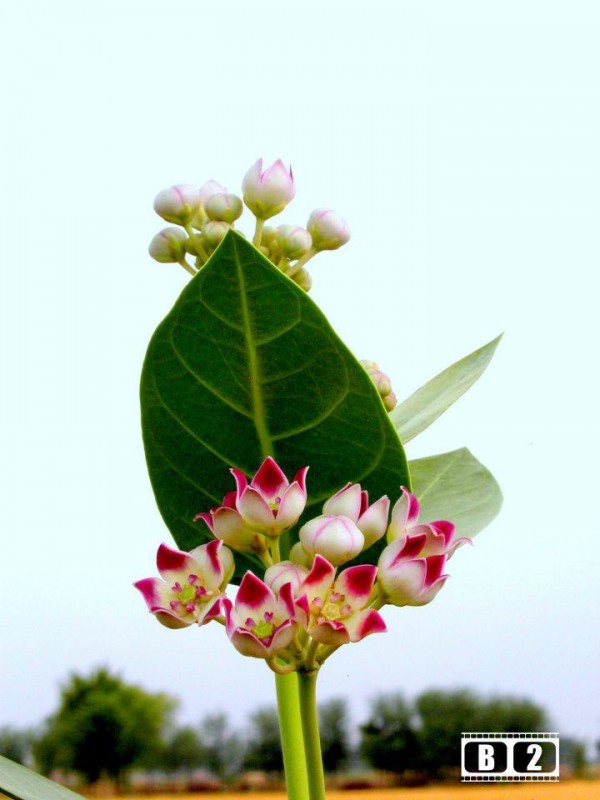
[{"x": 277, "y": 458}]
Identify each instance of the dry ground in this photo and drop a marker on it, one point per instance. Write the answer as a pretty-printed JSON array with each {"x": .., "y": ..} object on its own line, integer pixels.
[{"x": 566, "y": 790}]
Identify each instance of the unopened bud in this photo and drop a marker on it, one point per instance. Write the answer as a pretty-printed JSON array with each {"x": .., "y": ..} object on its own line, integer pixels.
[
  {"x": 168, "y": 246},
  {"x": 328, "y": 230},
  {"x": 267, "y": 193},
  {"x": 336, "y": 538},
  {"x": 382, "y": 382},
  {"x": 224, "y": 207},
  {"x": 214, "y": 232},
  {"x": 285, "y": 572},
  {"x": 178, "y": 203},
  {"x": 303, "y": 279},
  {"x": 294, "y": 241},
  {"x": 390, "y": 401},
  {"x": 209, "y": 189},
  {"x": 298, "y": 555}
]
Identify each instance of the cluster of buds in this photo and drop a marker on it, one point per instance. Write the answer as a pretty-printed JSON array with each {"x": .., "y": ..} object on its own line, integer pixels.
[
  {"x": 382, "y": 383},
  {"x": 305, "y": 607},
  {"x": 204, "y": 216}
]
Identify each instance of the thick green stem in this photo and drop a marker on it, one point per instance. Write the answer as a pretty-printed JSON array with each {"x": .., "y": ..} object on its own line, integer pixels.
[
  {"x": 258, "y": 231},
  {"x": 292, "y": 741},
  {"x": 307, "y": 683}
]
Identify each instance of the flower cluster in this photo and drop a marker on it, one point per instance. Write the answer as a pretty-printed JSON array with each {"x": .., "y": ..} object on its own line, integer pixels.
[
  {"x": 305, "y": 607},
  {"x": 205, "y": 214}
]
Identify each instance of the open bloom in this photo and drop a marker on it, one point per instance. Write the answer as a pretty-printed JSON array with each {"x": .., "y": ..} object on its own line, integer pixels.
[
  {"x": 260, "y": 624},
  {"x": 335, "y": 609},
  {"x": 353, "y": 502},
  {"x": 193, "y": 584},
  {"x": 268, "y": 505},
  {"x": 267, "y": 193},
  {"x": 411, "y": 567}
]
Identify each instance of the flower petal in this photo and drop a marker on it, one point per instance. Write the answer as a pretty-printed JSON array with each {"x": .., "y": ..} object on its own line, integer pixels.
[
  {"x": 403, "y": 584},
  {"x": 330, "y": 632},
  {"x": 241, "y": 482},
  {"x": 291, "y": 506},
  {"x": 373, "y": 522},
  {"x": 319, "y": 580},
  {"x": 229, "y": 526},
  {"x": 356, "y": 583},
  {"x": 270, "y": 480},
  {"x": 346, "y": 502},
  {"x": 254, "y": 598},
  {"x": 364, "y": 623},
  {"x": 172, "y": 563},
  {"x": 255, "y": 510}
]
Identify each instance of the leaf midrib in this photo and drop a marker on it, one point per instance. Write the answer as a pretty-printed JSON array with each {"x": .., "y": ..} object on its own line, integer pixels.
[{"x": 264, "y": 437}]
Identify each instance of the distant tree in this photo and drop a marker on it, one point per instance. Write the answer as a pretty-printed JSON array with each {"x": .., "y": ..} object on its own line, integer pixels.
[
  {"x": 16, "y": 744},
  {"x": 183, "y": 750},
  {"x": 443, "y": 716},
  {"x": 222, "y": 746},
  {"x": 103, "y": 727},
  {"x": 388, "y": 738},
  {"x": 263, "y": 747},
  {"x": 511, "y": 714},
  {"x": 573, "y": 754},
  {"x": 335, "y": 738}
]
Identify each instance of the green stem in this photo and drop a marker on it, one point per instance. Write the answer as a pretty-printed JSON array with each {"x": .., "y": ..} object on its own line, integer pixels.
[
  {"x": 187, "y": 267},
  {"x": 292, "y": 742},
  {"x": 293, "y": 270},
  {"x": 307, "y": 684},
  {"x": 260, "y": 224}
]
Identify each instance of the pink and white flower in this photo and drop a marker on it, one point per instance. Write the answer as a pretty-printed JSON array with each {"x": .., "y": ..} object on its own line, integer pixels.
[
  {"x": 335, "y": 610},
  {"x": 193, "y": 584},
  {"x": 268, "y": 505},
  {"x": 411, "y": 568},
  {"x": 336, "y": 538},
  {"x": 261, "y": 624},
  {"x": 168, "y": 246},
  {"x": 267, "y": 193},
  {"x": 353, "y": 502}
]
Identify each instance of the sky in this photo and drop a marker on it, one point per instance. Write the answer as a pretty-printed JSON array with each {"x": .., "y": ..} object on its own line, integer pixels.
[{"x": 460, "y": 141}]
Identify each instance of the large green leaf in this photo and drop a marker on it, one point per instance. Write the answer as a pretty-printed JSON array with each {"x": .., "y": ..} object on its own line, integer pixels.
[
  {"x": 24, "y": 784},
  {"x": 457, "y": 487},
  {"x": 245, "y": 365},
  {"x": 425, "y": 405}
]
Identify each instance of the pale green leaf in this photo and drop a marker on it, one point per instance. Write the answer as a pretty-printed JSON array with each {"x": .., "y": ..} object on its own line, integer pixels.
[
  {"x": 457, "y": 487},
  {"x": 21, "y": 783},
  {"x": 424, "y": 406}
]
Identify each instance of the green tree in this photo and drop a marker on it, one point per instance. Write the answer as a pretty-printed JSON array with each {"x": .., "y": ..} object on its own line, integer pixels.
[
  {"x": 103, "y": 727},
  {"x": 222, "y": 746},
  {"x": 388, "y": 738},
  {"x": 443, "y": 716},
  {"x": 183, "y": 750},
  {"x": 335, "y": 739},
  {"x": 511, "y": 715},
  {"x": 15, "y": 744},
  {"x": 263, "y": 748}
]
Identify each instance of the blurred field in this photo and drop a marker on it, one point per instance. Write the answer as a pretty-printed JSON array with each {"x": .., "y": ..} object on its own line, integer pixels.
[{"x": 568, "y": 790}]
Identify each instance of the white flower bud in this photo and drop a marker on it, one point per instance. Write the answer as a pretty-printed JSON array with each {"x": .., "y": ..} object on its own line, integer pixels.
[
  {"x": 224, "y": 207},
  {"x": 214, "y": 232},
  {"x": 303, "y": 279},
  {"x": 168, "y": 246},
  {"x": 178, "y": 203},
  {"x": 336, "y": 538},
  {"x": 294, "y": 241},
  {"x": 328, "y": 230},
  {"x": 267, "y": 193}
]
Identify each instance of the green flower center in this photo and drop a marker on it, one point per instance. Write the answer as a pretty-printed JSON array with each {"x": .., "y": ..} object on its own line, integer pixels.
[{"x": 264, "y": 629}]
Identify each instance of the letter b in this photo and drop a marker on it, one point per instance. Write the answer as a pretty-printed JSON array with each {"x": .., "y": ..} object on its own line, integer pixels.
[{"x": 485, "y": 761}]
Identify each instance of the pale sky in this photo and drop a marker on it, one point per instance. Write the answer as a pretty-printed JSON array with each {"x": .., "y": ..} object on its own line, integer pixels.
[{"x": 460, "y": 141}]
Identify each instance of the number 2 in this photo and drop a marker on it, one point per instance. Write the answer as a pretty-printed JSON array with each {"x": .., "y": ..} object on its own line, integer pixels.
[{"x": 535, "y": 750}]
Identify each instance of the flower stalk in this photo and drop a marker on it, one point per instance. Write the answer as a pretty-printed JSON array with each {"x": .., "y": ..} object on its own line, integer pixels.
[
  {"x": 307, "y": 685},
  {"x": 292, "y": 736}
]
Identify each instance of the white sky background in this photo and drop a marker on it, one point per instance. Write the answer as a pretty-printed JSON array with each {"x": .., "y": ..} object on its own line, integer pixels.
[{"x": 461, "y": 142}]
